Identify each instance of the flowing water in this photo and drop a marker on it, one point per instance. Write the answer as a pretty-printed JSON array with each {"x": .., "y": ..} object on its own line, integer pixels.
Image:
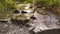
[{"x": 41, "y": 23}]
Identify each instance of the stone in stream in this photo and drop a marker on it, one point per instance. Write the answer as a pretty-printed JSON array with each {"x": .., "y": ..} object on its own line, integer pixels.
[{"x": 26, "y": 13}]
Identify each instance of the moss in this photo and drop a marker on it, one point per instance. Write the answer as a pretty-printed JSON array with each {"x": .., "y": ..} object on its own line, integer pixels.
[{"x": 6, "y": 14}]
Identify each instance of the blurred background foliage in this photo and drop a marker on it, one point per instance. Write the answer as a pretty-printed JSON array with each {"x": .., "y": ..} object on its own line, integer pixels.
[{"x": 52, "y": 5}]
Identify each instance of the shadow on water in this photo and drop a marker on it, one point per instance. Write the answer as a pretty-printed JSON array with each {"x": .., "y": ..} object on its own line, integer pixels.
[
  {"x": 54, "y": 31},
  {"x": 3, "y": 21},
  {"x": 20, "y": 22}
]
